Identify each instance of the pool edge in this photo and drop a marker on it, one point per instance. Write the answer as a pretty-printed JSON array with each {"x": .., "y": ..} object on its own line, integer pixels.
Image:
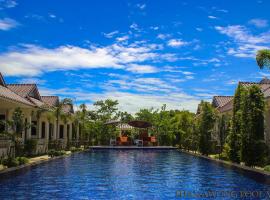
[
  {"x": 242, "y": 167},
  {"x": 20, "y": 167}
]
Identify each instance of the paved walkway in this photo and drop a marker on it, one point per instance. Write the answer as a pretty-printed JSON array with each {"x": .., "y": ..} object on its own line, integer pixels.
[{"x": 39, "y": 158}]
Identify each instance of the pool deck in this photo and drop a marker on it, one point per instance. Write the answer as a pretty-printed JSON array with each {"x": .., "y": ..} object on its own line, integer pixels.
[{"x": 133, "y": 147}]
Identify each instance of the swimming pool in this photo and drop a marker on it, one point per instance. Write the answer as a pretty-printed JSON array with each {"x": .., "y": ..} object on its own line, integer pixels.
[{"x": 125, "y": 174}]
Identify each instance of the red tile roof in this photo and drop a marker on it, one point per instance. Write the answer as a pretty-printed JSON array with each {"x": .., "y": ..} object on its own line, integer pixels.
[
  {"x": 225, "y": 103},
  {"x": 25, "y": 90},
  {"x": 263, "y": 85},
  {"x": 2, "y": 81},
  {"x": 68, "y": 109},
  {"x": 36, "y": 102},
  {"x": 10, "y": 95},
  {"x": 50, "y": 100},
  {"x": 219, "y": 101},
  {"x": 28, "y": 94}
]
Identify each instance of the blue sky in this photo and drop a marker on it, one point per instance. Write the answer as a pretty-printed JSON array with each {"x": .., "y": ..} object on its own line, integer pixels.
[{"x": 142, "y": 53}]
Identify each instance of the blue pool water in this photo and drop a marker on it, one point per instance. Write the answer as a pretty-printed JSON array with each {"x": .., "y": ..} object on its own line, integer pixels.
[{"x": 128, "y": 174}]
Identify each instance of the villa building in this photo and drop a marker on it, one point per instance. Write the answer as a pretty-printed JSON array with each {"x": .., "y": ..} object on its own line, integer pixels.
[
  {"x": 37, "y": 111},
  {"x": 224, "y": 104}
]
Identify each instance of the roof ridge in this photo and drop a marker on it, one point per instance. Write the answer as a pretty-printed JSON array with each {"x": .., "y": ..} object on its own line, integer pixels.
[
  {"x": 223, "y": 96},
  {"x": 2, "y": 80},
  {"x": 252, "y": 82},
  {"x": 21, "y": 84},
  {"x": 20, "y": 98}
]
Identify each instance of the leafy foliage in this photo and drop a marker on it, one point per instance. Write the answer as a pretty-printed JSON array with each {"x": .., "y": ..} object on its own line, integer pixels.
[
  {"x": 246, "y": 138},
  {"x": 53, "y": 153},
  {"x": 206, "y": 125},
  {"x": 263, "y": 58},
  {"x": 30, "y": 147},
  {"x": 252, "y": 135},
  {"x": 235, "y": 129}
]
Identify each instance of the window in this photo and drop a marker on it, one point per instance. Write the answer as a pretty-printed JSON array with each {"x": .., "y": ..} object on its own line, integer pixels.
[
  {"x": 34, "y": 128},
  {"x": 61, "y": 132},
  {"x": 2, "y": 123},
  {"x": 43, "y": 129}
]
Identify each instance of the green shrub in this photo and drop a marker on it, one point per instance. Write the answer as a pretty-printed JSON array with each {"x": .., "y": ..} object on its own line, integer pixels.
[
  {"x": 11, "y": 162},
  {"x": 22, "y": 160},
  {"x": 30, "y": 147},
  {"x": 267, "y": 168},
  {"x": 53, "y": 153},
  {"x": 19, "y": 148},
  {"x": 76, "y": 149}
]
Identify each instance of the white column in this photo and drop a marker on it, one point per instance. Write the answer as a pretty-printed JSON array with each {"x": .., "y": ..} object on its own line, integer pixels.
[
  {"x": 47, "y": 130},
  {"x": 54, "y": 130},
  {"x": 39, "y": 127},
  {"x": 70, "y": 132},
  {"x": 65, "y": 131},
  {"x": 77, "y": 133},
  {"x": 29, "y": 123}
]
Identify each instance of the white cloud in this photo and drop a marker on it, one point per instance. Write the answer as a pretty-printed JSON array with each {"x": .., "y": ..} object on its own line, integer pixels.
[
  {"x": 223, "y": 10},
  {"x": 212, "y": 17},
  {"x": 141, "y": 6},
  {"x": 141, "y": 69},
  {"x": 111, "y": 34},
  {"x": 131, "y": 102},
  {"x": 199, "y": 29},
  {"x": 246, "y": 43},
  {"x": 7, "y": 24},
  {"x": 260, "y": 23},
  {"x": 145, "y": 85},
  {"x": 52, "y": 15},
  {"x": 155, "y": 28},
  {"x": 123, "y": 38},
  {"x": 7, "y": 4},
  {"x": 163, "y": 36},
  {"x": 241, "y": 34},
  {"x": 31, "y": 60},
  {"x": 135, "y": 27},
  {"x": 176, "y": 43}
]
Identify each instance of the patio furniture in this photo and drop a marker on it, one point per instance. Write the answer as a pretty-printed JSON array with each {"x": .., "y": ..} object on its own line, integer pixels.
[
  {"x": 153, "y": 140},
  {"x": 123, "y": 140},
  {"x": 139, "y": 142},
  {"x": 112, "y": 142}
]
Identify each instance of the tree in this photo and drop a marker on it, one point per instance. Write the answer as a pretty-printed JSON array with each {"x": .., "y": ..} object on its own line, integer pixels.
[
  {"x": 58, "y": 111},
  {"x": 206, "y": 124},
  {"x": 82, "y": 121},
  {"x": 236, "y": 125},
  {"x": 223, "y": 129},
  {"x": 182, "y": 124},
  {"x": 263, "y": 58},
  {"x": 252, "y": 135},
  {"x": 17, "y": 125},
  {"x": 125, "y": 116},
  {"x": 104, "y": 111}
]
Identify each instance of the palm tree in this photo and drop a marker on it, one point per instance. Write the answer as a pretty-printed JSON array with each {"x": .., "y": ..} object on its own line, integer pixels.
[
  {"x": 82, "y": 117},
  {"x": 263, "y": 58},
  {"x": 58, "y": 111}
]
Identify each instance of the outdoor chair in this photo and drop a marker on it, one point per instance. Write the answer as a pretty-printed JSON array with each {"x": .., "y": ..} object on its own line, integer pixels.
[
  {"x": 153, "y": 140},
  {"x": 123, "y": 140},
  {"x": 112, "y": 142}
]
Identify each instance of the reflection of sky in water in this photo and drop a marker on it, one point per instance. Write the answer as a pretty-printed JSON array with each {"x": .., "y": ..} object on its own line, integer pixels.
[{"x": 126, "y": 174}]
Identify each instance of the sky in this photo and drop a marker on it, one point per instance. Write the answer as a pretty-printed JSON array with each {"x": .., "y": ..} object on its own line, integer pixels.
[{"x": 142, "y": 53}]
